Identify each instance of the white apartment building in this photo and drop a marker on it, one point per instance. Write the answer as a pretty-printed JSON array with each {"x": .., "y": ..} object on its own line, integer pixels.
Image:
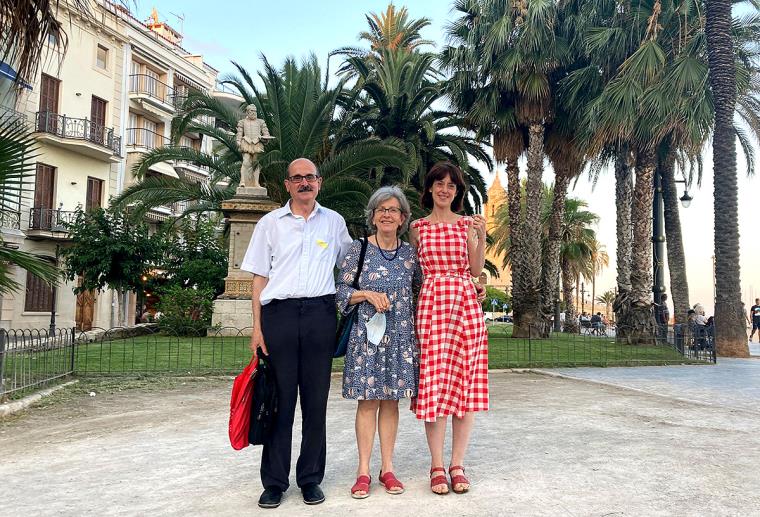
[{"x": 94, "y": 115}]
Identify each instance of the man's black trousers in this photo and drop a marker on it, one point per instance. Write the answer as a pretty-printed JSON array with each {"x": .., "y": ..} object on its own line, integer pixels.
[{"x": 300, "y": 338}]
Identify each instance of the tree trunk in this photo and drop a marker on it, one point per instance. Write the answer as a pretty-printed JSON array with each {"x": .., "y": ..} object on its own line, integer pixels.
[
  {"x": 623, "y": 200},
  {"x": 531, "y": 321},
  {"x": 679, "y": 286},
  {"x": 730, "y": 333},
  {"x": 638, "y": 326},
  {"x": 551, "y": 267},
  {"x": 571, "y": 319},
  {"x": 515, "y": 254},
  {"x": 593, "y": 290}
]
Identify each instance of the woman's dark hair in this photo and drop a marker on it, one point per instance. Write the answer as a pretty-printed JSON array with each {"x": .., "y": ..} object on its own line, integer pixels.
[{"x": 438, "y": 172}]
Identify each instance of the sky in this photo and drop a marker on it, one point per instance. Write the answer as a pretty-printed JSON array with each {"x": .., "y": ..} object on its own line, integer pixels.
[{"x": 242, "y": 31}]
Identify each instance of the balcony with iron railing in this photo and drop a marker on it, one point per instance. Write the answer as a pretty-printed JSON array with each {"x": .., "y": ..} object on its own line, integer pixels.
[
  {"x": 50, "y": 223},
  {"x": 227, "y": 94},
  {"x": 141, "y": 138},
  {"x": 10, "y": 219},
  {"x": 86, "y": 136},
  {"x": 146, "y": 88},
  {"x": 17, "y": 117}
]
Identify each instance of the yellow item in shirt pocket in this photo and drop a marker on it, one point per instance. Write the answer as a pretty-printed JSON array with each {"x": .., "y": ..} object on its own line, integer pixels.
[{"x": 322, "y": 244}]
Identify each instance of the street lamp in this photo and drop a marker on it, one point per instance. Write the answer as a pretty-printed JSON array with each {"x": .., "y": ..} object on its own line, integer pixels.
[
  {"x": 685, "y": 199},
  {"x": 658, "y": 233}
]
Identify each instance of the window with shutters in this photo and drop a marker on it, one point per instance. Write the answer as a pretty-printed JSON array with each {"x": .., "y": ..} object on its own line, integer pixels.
[
  {"x": 48, "y": 111},
  {"x": 98, "y": 120},
  {"x": 94, "y": 193},
  {"x": 101, "y": 57},
  {"x": 44, "y": 192},
  {"x": 132, "y": 129},
  {"x": 44, "y": 186},
  {"x": 150, "y": 133},
  {"x": 134, "y": 78},
  {"x": 39, "y": 295}
]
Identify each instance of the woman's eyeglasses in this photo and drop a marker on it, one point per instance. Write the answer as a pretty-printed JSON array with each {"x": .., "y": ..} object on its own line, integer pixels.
[{"x": 392, "y": 211}]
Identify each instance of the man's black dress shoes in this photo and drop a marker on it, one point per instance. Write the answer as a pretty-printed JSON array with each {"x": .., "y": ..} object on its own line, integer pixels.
[
  {"x": 312, "y": 494},
  {"x": 270, "y": 498}
]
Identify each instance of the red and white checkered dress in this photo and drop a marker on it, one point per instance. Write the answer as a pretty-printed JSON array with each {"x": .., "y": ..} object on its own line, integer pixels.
[{"x": 451, "y": 331}]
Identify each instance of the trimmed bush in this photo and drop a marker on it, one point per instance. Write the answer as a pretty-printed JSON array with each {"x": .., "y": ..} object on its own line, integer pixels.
[{"x": 185, "y": 311}]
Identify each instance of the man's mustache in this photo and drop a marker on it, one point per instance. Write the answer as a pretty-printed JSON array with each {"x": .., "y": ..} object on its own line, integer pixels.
[{"x": 305, "y": 188}]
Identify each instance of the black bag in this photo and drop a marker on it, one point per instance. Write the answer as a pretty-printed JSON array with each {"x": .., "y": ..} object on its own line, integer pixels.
[
  {"x": 347, "y": 322},
  {"x": 264, "y": 405}
]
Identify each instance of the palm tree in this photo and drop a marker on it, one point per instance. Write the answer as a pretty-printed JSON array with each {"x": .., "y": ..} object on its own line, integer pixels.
[
  {"x": 577, "y": 245},
  {"x": 477, "y": 41},
  {"x": 514, "y": 47},
  {"x": 391, "y": 30},
  {"x": 393, "y": 100},
  {"x": 599, "y": 260},
  {"x": 300, "y": 113},
  {"x": 730, "y": 334},
  {"x": 17, "y": 153},
  {"x": 607, "y": 298}
]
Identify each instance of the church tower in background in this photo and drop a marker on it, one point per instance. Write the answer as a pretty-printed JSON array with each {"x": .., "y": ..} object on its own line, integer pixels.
[{"x": 497, "y": 197}]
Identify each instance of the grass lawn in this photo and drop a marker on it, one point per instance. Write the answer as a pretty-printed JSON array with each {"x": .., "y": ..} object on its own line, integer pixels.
[{"x": 229, "y": 354}]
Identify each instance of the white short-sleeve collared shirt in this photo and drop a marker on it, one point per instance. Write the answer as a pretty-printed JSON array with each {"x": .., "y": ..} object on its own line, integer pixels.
[{"x": 297, "y": 255}]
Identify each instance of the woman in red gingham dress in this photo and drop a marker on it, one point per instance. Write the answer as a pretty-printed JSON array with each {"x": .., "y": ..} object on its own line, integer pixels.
[{"x": 450, "y": 326}]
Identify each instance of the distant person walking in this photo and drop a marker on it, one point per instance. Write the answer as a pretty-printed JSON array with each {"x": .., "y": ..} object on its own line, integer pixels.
[{"x": 754, "y": 312}]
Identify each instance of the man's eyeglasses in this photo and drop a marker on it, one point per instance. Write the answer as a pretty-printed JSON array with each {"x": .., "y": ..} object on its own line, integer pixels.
[
  {"x": 392, "y": 210},
  {"x": 297, "y": 178}
]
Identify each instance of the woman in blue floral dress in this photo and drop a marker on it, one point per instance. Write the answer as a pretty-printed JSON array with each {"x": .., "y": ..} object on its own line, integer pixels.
[{"x": 379, "y": 375}]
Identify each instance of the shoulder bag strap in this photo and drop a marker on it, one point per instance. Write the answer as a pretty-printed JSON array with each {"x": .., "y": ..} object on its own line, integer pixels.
[{"x": 363, "y": 252}]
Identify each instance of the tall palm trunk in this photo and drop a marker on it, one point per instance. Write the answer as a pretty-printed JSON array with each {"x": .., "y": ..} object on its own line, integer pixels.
[
  {"x": 531, "y": 321},
  {"x": 639, "y": 324},
  {"x": 593, "y": 290},
  {"x": 515, "y": 253},
  {"x": 571, "y": 320},
  {"x": 679, "y": 286},
  {"x": 551, "y": 267},
  {"x": 623, "y": 200},
  {"x": 730, "y": 334}
]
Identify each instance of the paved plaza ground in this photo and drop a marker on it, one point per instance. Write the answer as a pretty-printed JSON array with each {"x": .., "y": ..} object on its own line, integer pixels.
[{"x": 549, "y": 446}]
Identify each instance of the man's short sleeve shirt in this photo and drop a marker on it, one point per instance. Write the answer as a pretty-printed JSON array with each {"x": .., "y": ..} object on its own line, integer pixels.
[{"x": 297, "y": 254}]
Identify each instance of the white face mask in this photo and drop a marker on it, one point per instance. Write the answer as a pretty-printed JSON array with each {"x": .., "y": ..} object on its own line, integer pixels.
[{"x": 376, "y": 328}]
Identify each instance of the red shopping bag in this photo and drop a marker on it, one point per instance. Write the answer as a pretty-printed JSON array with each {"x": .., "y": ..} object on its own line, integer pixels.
[{"x": 240, "y": 406}]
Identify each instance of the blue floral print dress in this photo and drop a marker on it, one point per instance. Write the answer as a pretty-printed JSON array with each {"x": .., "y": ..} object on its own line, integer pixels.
[{"x": 387, "y": 371}]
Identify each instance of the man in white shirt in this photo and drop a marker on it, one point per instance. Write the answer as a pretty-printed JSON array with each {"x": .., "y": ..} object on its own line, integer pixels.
[{"x": 292, "y": 255}]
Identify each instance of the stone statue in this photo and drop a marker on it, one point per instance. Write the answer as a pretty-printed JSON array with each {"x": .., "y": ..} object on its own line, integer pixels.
[{"x": 251, "y": 133}]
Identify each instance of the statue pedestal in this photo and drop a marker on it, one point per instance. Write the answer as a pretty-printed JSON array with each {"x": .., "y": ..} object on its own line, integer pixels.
[{"x": 232, "y": 310}]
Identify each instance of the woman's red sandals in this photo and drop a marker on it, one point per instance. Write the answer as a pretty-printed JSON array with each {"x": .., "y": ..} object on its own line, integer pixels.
[
  {"x": 458, "y": 479},
  {"x": 440, "y": 479},
  {"x": 361, "y": 485},
  {"x": 392, "y": 485}
]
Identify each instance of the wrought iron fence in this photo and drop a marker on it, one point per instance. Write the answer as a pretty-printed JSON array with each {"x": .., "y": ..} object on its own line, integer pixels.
[
  {"x": 10, "y": 219},
  {"x": 30, "y": 359},
  {"x": 598, "y": 346},
  {"x": 77, "y": 129},
  {"x": 50, "y": 219},
  {"x": 152, "y": 87},
  {"x": 141, "y": 137}
]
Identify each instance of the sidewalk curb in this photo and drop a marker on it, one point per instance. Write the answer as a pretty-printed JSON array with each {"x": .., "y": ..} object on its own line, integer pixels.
[
  {"x": 608, "y": 384},
  {"x": 10, "y": 408}
]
